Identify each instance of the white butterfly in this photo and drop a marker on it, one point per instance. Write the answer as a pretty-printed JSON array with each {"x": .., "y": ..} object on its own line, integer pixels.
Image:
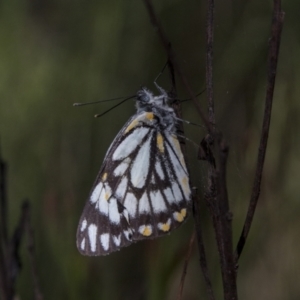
[{"x": 142, "y": 190}]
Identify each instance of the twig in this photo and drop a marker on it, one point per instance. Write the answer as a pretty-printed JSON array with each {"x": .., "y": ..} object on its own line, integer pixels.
[
  {"x": 226, "y": 252},
  {"x": 209, "y": 61},
  {"x": 171, "y": 57},
  {"x": 216, "y": 196},
  {"x": 277, "y": 23},
  {"x": 201, "y": 249},
  {"x": 186, "y": 262}
]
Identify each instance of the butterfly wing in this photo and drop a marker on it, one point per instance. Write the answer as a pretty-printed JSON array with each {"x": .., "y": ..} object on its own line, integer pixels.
[{"x": 142, "y": 190}]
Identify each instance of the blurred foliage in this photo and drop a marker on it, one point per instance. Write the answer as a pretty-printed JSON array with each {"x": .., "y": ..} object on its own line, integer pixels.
[{"x": 55, "y": 53}]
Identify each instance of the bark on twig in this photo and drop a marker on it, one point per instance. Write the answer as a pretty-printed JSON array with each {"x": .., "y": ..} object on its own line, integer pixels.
[
  {"x": 216, "y": 194},
  {"x": 186, "y": 262},
  {"x": 202, "y": 254}
]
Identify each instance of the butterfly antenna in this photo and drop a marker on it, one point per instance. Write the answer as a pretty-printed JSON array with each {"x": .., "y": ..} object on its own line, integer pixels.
[
  {"x": 189, "y": 123},
  {"x": 102, "y": 114},
  {"x": 188, "y": 140},
  {"x": 160, "y": 73},
  {"x": 184, "y": 100},
  {"x": 100, "y": 101}
]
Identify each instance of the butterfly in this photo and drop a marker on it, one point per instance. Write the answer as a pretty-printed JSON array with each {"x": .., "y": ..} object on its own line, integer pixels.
[{"x": 142, "y": 190}]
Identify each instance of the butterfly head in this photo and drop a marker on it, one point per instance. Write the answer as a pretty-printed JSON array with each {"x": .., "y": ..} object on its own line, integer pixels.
[{"x": 146, "y": 99}]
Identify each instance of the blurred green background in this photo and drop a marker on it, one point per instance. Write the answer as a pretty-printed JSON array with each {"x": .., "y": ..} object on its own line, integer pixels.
[{"x": 55, "y": 53}]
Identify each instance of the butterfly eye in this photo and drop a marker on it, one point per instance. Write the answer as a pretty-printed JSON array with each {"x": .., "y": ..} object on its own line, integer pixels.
[{"x": 144, "y": 96}]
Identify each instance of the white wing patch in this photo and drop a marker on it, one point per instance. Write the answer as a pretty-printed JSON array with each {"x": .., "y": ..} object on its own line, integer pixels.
[
  {"x": 104, "y": 239},
  {"x": 122, "y": 187},
  {"x": 102, "y": 203},
  {"x": 131, "y": 204},
  {"x": 180, "y": 172},
  {"x": 144, "y": 205},
  {"x": 122, "y": 167},
  {"x": 114, "y": 215},
  {"x": 176, "y": 192},
  {"x": 93, "y": 236},
  {"x": 159, "y": 170},
  {"x": 169, "y": 195},
  {"x": 96, "y": 193},
  {"x": 158, "y": 202},
  {"x": 129, "y": 144},
  {"x": 117, "y": 240},
  {"x": 140, "y": 167},
  {"x": 82, "y": 245},
  {"x": 83, "y": 225}
]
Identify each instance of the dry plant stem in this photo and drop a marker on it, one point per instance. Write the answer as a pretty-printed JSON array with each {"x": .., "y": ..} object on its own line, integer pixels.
[
  {"x": 217, "y": 188},
  {"x": 274, "y": 43},
  {"x": 226, "y": 253},
  {"x": 171, "y": 57},
  {"x": 209, "y": 61},
  {"x": 202, "y": 254},
  {"x": 186, "y": 262}
]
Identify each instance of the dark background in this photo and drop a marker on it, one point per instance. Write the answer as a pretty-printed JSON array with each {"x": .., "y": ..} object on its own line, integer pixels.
[{"x": 55, "y": 53}]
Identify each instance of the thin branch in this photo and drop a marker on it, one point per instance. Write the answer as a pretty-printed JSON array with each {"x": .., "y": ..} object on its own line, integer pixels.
[
  {"x": 225, "y": 218},
  {"x": 216, "y": 195},
  {"x": 201, "y": 249},
  {"x": 186, "y": 262},
  {"x": 209, "y": 61},
  {"x": 171, "y": 57},
  {"x": 274, "y": 43}
]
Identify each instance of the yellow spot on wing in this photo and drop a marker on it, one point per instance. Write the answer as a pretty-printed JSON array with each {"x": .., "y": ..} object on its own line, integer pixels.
[
  {"x": 104, "y": 176},
  {"x": 106, "y": 196},
  {"x": 149, "y": 116},
  {"x": 185, "y": 184},
  {"x": 147, "y": 231},
  {"x": 133, "y": 124},
  {"x": 160, "y": 143},
  {"x": 179, "y": 216},
  {"x": 165, "y": 227}
]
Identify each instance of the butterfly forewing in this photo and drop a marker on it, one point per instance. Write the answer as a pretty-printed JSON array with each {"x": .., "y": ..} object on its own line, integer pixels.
[{"x": 142, "y": 190}]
